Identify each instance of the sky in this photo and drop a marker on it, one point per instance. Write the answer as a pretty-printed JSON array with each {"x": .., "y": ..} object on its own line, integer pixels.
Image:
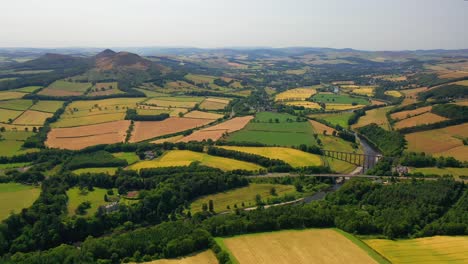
[{"x": 358, "y": 24}]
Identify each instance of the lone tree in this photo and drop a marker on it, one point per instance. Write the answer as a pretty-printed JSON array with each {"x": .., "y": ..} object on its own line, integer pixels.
[
  {"x": 273, "y": 191},
  {"x": 210, "y": 205}
]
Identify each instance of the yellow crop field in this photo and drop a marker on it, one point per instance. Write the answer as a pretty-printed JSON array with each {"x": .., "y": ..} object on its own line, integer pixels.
[
  {"x": 426, "y": 118},
  {"x": 293, "y": 157},
  {"x": 305, "y": 104},
  {"x": 11, "y": 95},
  {"x": 438, "y": 249},
  {"x": 464, "y": 83},
  {"x": 245, "y": 195},
  {"x": 205, "y": 257},
  {"x": 298, "y": 246},
  {"x": 186, "y": 157},
  {"x": 409, "y": 113},
  {"x": 319, "y": 128},
  {"x": 364, "y": 90},
  {"x": 342, "y": 106},
  {"x": 203, "y": 115},
  {"x": 297, "y": 94},
  {"x": 169, "y": 139},
  {"x": 30, "y": 117},
  {"x": 6, "y": 115},
  {"x": 168, "y": 103},
  {"x": 393, "y": 93}
]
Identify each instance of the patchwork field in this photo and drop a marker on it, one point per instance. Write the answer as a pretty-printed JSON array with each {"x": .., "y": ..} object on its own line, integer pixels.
[
  {"x": 28, "y": 89},
  {"x": 130, "y": 157},
  {"x": 181, "y": 102},
  {"x": 455, "y": 172},
  {"x": 341, "y": 107},
  {"x": 377, "y": 116},
  {"x": 411, "y": 95},
  {"x": 409, "y": 113},
  {"x": 7, "y": 116},
  {"x": 90, "y": 112},
  {"x": 438, "y": 249},
  {"x": 337, "y": 143},
  {"x": 297, "y": 94},
  {"x": 16, "y": 104},
  {"x": 320, "y": 245},
  {"x": 202, "y": 115},
  {"x": 426, "y": 118},
  {"x": 305, "y": 104},
  {"x": 105, "y": 88},
  {"x": 173, "y": 139},
  {"x": 65, "y": 88},
  {"x": 108, "y": 170},
  {"x": 205, "y": 257},
  {"x": 236, "y": 197},
  {"x": 217, "y": 131},
  {"x": 293, "y": 157},
  {"x": 15, "y": 197},
  {"x": 7, "y": 95},
  {"x": 394, "y": 93},
  {"x": 85, "y": 136},
  {"x": 364, "y": 90},
  {"x": 77, "y": 196},
  {"x": 151, "y": 129},
  {"x": 47, "y": 106},
  {"x": 214, "y": 103},
  {"x": 443, "y": 141},
  {"x": 339, "y": 166},
  {"x": 185, "y": 157}
]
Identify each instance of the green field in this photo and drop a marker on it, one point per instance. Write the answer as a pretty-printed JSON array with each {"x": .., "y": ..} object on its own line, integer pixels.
[
  {"x": 70, "y": 86},
  {"x": 95, "y": 197},
  {"x": 12, "y": 143},
  {"x": 244, "y": 195},
  {"x": 283, "y": 133},
  {"x": 47, "y": 106},
  {"x": 7, "y": 95},
  {"x": 337, "y": 144},
  {"x": 340, "y": 166},
  {"x": 455, "y": 172},
  {"x": 335, "y": 118},
  {"x": 17, "y": 104},
  {"x": 339, "y": 99},
  {"x": 108, "y": 170},
  {"x": 185, "y": 157},
  {"x": 14, "y": 165},
  {"x": 28, "y": 89},
  {"x": 15, "y": 196},
  {"x": 130, "y": 157},
  {"x": 437, "y": 249},
  {"x": 7, "y": 115}
]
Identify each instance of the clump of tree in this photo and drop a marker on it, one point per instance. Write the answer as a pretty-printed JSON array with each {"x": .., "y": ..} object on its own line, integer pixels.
[{"x": 391, "y": 143}]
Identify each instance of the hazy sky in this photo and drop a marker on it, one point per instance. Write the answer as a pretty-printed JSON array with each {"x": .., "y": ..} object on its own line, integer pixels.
[{"x": 359, "y": 24}]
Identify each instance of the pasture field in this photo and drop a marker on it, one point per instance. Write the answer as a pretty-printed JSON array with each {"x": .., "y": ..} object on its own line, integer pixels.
[
  {"x": 340, "y": 166},
  {"x": 178, "y": 86},
  {"x": 108, "y": 170},
  {"x": 409, "y": 113},
  {"x": 319, "y": 128},
  {"x": 185, "y": 157},
  {"x": 165, "y": 102},
  {"x": 442, "y": 141},
  {"x": 65, "y": 88},
  {"x": 197, "y": 78},
  {"x": 305, "y": 104},
  {"x": 150, "y": 93},
  {"x": 104, "y": 88},
  {"x": 205, "y": 257},
  {"x": 217, "y": 131},
  {"x": 299, "y": 246},
  {"x": 437, "y": 249},
  {"x": 28, "y": 89},
  {"x": 8, "y": 115},
  {"x": 30, "y": 117},
  {"x": 7, "y": 95},
  {"x": 341, "y": 107},
  {"x": 47, "y": 106},
  {"x": 377, "y": 116},
  {"x": 5, "y": 166},
  {"x": 297, "y": 94},
  {"x": 293, "y": 157},
  {"x": 455, "y": 172},
  {"x": 334, "y": 118},
  {"x": 18, "y": 104},
  {"x": 85, "y": 136},
  {"x": 15, "y": 197},
  {"x": 144, "y": 130},
  {"x": 394, "y": 93},
  {"x": 411, "y": 95},
  {"x": 339, "y": 99},
  {"x": 202, "y": 115},
  {"x": 337, "y": 144},
  {"x": 241, "y": 195},
  {"x": 130, "y": 157},
  {"x": 90, "y": 112},
  {"x": 426, "y": 118},
  {"x": 76, "y": 197}
]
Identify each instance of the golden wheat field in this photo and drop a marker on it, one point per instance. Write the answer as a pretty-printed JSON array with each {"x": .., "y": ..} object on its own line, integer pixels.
[
  {"x": 426, "y": 118},
  {"x": 185, "y": 157},
  {"x": 393, "y": 93},
  {"x": 205, "y": 257},
  {"x": 319, "y": 128},
  {"x": 364, "y": 90},
  {"x": 332, "y": 107},
  {"x": 202, "y": 115},
  {"x": 377, "y": 116},
  {"x": 297, "y": 94},
  {"x": 305, "y": 104},
  {"x": 296, "y": 247},
  {"x": 409, "y": 113},
  {"x": 293, "y": 157},
  {"x": 30, "y": 117},
  {"x": 438, "y": 249}
]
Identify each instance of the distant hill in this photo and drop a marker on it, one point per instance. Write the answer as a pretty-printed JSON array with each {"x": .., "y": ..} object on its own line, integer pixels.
[{"x": 110, "y": 60}]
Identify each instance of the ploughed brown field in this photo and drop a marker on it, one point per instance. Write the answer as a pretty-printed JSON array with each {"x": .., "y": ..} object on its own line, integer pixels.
[
  {"x": 144, "y": 130},
  {"x": 90, "y": 135},
  {"x": 216, "y": 132},
  {"x": 54, "y": 92}
]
